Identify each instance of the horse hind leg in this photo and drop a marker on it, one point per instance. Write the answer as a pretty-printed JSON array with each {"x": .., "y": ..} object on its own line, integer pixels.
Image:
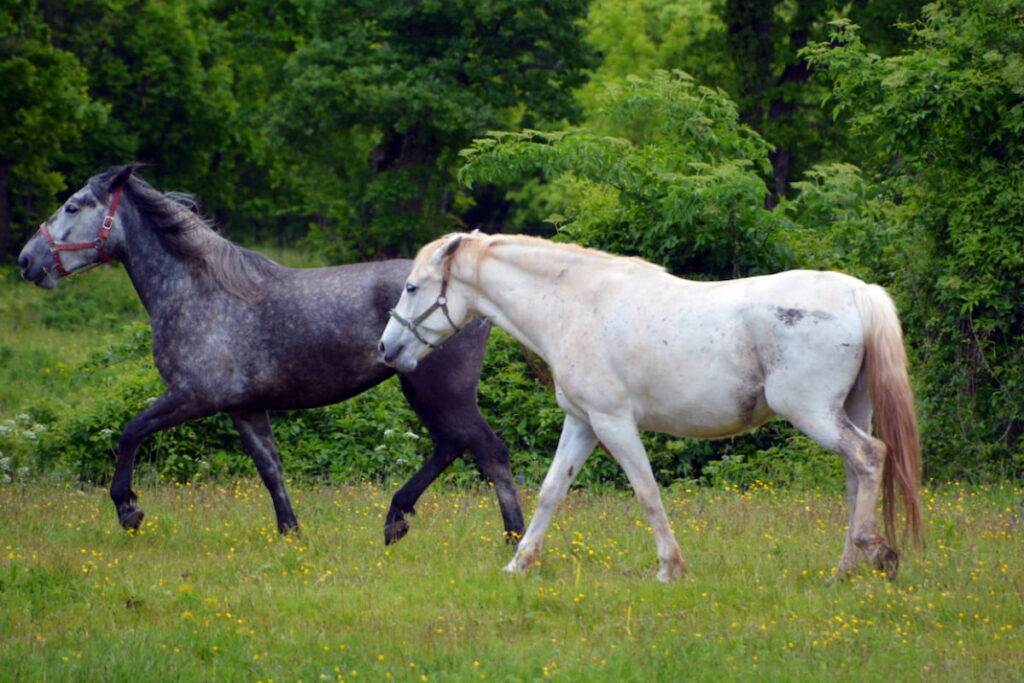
[
  {"x": 443, "y": 393},
  {"x": 864, "y": 457},
  {"x": 258, "y": 442},
  {"x": 491, "y": 456},
  {"x": 858, "y": 408}
]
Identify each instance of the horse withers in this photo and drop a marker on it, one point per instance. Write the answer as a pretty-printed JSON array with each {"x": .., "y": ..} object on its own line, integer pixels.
[
  {"x": 631, "y": 347},
  {"x": 235, "y": 332}
]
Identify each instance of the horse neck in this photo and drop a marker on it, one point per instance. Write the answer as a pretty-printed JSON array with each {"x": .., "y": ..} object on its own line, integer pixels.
[
  {"x": 525, "y": 290},
  {"x": 156, "y": 274}
]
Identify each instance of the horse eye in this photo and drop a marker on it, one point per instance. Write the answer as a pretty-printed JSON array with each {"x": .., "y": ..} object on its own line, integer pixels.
[
  {"x": 410, "y": 287},
  {"x": 71, "y": 208}
]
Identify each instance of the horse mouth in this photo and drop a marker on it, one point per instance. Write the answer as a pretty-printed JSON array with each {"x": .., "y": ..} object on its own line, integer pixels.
[{"x": 40, "y": 278}]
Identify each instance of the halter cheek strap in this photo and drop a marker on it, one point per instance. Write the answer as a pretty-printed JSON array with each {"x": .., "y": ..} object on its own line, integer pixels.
[
  {"x": 413, "y": 325},
  {"x": 98, "y": 244}
]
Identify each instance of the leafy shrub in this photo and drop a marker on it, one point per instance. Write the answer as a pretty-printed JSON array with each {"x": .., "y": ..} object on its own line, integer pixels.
[{"x": 678, "y": 186}]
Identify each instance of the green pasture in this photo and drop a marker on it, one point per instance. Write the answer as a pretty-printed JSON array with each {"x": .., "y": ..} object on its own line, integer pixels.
[{"x": 207, "y": 590}]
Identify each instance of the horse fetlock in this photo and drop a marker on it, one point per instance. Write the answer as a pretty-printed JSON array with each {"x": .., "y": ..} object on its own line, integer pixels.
[
  {"x": 524, "y": 558},
  {"x": 670, "y": 571},
  {"x": 672, "y": 565}
]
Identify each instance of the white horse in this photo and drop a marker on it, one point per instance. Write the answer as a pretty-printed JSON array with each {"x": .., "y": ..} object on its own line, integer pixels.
[{"x": 631, "y": 347}]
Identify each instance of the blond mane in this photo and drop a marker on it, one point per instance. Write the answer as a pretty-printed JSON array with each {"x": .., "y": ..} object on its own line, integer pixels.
[{"x": 481, "y": 245}]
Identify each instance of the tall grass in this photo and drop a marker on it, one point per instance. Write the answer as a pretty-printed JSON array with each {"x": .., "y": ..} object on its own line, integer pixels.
[{"x": 208, "y": 590}]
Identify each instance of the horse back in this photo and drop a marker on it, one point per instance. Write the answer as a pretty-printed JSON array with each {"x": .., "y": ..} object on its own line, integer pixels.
[{"x": 308, "y": 339}]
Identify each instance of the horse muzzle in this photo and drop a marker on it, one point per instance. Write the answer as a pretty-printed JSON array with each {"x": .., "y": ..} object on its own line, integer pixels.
[
  {"x": 33, "y": 272},
  {"x": 396, "y": 355}
]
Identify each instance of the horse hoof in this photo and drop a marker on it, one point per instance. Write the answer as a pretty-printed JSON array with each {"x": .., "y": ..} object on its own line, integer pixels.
[
  {"x": 887, "y": 560},
  {"x": 513, "y": 569},
  {"x": 513, "y": 537},
  {"x": 670, "y": 574},
  {"x": 394, "y": 531},
  {"x": 131, "y": 518}
]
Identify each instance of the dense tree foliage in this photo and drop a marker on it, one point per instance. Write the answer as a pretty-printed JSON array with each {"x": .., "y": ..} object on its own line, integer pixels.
[
  {"x": 342, "y": 119},
  {"x": 945, "y": 122},
  {"x": 717, "y": 137},
  {"x": 679, "y": 187},
  {"x": 45, "y": 108}
]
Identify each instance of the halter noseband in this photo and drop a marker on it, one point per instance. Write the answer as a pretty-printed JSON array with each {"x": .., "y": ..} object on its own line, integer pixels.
[
  {"x": 412, "y": 325},
  {"x": 97, "y": 244}
]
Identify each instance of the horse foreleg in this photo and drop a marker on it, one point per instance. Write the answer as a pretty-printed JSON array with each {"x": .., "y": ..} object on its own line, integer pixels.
[
  {"x": 622, "y": 439},
  {"x": 258, "y": 441},
  {"x": 574, "y": 446},
  {"x": 167, "y": 411},
  {"x": 404, "y": 500}
]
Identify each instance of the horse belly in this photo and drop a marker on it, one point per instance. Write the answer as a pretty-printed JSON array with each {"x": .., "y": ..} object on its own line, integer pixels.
[
  {"x": 713, "y": 413},
  {"x": 705, "y": 383}
]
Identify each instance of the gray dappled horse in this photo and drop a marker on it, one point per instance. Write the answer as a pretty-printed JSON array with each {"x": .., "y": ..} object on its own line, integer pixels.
[{"x": 235, "y": 332}]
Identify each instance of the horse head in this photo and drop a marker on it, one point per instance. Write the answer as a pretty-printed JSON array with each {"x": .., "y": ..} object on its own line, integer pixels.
[
  {"x": 430, "y": 309},
  {"x": 79, "y": 235}
]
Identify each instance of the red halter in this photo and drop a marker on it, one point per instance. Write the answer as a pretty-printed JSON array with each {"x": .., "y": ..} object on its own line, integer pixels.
[{"x": 97, "y": 244}]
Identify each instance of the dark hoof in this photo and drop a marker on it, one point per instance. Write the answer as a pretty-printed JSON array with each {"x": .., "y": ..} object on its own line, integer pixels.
[
  {"x": 394, "y": 531},
  {"x": 131, "y": 517},
  {"x": 288, "y": 529}
]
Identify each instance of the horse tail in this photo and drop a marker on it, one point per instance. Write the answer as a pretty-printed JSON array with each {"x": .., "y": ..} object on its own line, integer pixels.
[{"x": 895, "y": 418}]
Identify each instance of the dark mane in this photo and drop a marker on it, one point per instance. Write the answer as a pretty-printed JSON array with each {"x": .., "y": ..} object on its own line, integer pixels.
[{"x": 188, "y": 237}]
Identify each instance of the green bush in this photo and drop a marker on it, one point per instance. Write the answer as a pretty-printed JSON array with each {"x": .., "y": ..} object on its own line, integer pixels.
[{"x": 374, "y": 436}]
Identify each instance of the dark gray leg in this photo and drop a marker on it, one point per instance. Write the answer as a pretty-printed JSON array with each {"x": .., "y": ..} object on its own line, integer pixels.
[
  {"x": 443, "y": 392},
  {"x": 258, "y": 441},
  {"x": 404, "y": 501},
  {"x": 491, "y": 457},
  {"x": 169, "y": 410}
]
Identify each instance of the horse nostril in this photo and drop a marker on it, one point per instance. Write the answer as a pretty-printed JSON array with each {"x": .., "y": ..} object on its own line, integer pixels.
[
  {"x": 23, "y": 262},
  {"x": 380, "y": 347}
]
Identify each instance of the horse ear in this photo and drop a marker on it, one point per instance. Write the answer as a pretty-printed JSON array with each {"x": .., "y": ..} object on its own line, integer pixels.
[
  {"x": 121, "y": 177},
  {"x": 446, "y": 250}
]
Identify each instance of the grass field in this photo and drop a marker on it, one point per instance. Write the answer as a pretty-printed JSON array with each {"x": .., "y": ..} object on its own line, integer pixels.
[{"x": 208, "y": 590}]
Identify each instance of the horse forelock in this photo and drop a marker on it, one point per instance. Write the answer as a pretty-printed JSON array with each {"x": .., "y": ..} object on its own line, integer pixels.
[{"x": 184, "y": 234}]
